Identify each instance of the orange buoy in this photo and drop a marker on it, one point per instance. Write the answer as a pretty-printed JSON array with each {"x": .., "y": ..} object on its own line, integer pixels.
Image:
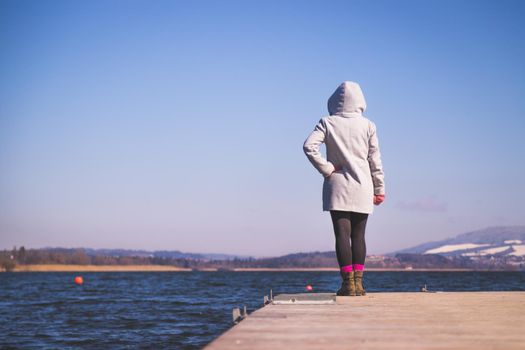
[
  {"x": 309, "y": 288},
  {"x": 79, "y": 280}
]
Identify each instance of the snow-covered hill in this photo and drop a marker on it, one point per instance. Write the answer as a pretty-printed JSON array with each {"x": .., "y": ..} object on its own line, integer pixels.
[{"x": 492, "y": 241}]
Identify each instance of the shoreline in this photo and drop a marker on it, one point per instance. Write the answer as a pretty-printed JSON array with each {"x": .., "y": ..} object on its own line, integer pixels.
[
  {"x": 320, "y": 269},
  {"x": 166, "y": 268},
  {"x": 96, "y": 268}
]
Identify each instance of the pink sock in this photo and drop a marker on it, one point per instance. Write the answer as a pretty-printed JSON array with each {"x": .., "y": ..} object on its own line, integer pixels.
[
  {"x": 346, "y": 268},
  {"x": 359, "y": 267}
]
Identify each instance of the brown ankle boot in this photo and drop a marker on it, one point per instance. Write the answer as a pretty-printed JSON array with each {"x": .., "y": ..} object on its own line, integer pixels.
[
  {"x": 358, "y": 277},
  {"x": 348, "y": 284}
]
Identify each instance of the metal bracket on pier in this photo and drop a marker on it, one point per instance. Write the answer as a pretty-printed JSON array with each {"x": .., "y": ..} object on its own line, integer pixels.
[
  {"x": 424, "y": 289},
  {"x": 239, "y": 315},
  {"x": 267, "y": 300}
]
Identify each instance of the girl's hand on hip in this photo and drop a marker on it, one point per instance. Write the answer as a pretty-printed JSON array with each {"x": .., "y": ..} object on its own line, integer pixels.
[
  {"x": 337, "y": 168},
  {"x": 378, "y": 199}
]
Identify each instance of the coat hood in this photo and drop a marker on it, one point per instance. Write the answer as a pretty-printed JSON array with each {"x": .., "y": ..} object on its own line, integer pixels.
[{"x": 347, "y": 100}]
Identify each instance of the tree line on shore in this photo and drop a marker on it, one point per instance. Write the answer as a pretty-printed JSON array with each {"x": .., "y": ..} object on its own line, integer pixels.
[{"x": 9, "y": 259}]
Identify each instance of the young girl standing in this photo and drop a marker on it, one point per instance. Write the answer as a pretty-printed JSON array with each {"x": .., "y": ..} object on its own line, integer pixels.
[{"x": 353, "y": 178}]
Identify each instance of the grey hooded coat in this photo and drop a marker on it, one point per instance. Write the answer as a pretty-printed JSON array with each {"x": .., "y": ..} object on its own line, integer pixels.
[{"x": 351, "y": 147}]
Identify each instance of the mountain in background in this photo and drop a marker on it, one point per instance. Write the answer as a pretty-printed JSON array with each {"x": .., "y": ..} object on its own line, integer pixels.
[
  {"x": 492, "y": 241},
  {"x": 493, "y": 248},
  {"x": 166, "y": 254}
]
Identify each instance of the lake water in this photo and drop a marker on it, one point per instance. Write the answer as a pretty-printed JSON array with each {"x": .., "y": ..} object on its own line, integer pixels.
[{"x": 176, "y": 310}]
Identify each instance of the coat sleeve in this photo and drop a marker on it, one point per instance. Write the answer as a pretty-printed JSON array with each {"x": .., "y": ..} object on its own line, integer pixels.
[
  {"x": 374, "y": 161},
  {"x": 311, "y": 149}
]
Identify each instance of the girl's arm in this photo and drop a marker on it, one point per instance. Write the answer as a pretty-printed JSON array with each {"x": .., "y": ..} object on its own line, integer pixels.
[
  {"x": 311, "y": 149},
  {"x": 374, "y": 161}
]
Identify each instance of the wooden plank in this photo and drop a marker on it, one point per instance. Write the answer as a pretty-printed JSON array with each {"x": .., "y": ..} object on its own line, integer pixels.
[{"x": 446, "y": 320}]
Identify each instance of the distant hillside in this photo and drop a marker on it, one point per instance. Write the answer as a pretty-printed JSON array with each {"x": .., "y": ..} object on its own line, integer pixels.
[
  {"x": 310, "y": 259},
  {"x": 166, "y": 254},
  {"x": 493, "y": 248},
  {"x": 497, "y": 241}
]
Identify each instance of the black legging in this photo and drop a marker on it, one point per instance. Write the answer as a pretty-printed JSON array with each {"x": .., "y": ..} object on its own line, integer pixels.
[{"x": 348, "y": 226}]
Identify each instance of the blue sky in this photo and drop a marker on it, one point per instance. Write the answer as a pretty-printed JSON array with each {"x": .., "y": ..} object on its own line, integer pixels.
[{"x": 180, "y": 124}]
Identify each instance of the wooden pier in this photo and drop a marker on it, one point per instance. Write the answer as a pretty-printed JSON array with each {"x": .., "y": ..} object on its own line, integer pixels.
[{"x": 421, "y": 320}]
